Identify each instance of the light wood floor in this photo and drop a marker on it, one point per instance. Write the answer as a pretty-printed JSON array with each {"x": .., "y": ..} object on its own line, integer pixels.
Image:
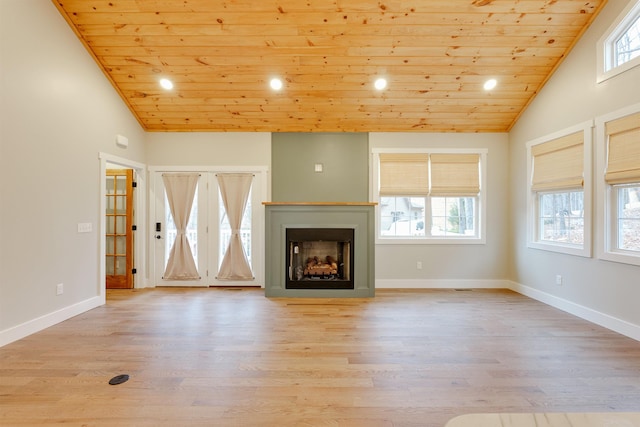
[{"x": 218, "y": 357}]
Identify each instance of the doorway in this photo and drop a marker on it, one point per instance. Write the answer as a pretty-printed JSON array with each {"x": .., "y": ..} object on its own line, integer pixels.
[
  {"x": 139, "y": 207},
  {"x": 120, "y": 228},
  {"x": 207, "y": 232}
]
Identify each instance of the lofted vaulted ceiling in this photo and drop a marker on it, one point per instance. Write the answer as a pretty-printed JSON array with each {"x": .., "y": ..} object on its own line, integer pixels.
[{"x": 435, "y": 54}]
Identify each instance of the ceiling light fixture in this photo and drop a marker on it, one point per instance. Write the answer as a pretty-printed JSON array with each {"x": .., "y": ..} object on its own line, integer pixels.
[
  {"x": 490, "y": 84},
  {"x": 380, "y": 83},
  {"x": 276, "y": 84},
  {"x": 166, "y": 84}
]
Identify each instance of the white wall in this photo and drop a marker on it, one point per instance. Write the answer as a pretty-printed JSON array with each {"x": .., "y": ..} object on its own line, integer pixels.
[
  {"x": 452, "y": 265},
  {"x": 606, "y": 292},
  {"x": 58, "y": 112},
  {"x": 206, "y": 149}
]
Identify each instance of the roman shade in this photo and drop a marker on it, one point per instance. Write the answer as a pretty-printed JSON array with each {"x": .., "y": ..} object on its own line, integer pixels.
[
  {"x": 623, "y": 153},
  {"x": 558, "y": 164},
  {"x": 404, "y": 174},
  {"x": 455, "y": 175}
]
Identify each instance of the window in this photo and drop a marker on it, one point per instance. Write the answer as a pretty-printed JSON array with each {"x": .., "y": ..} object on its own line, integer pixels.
[
  {"x": 559, "y": 213},
  {"x": 619, "y": 48},
  {"x": 627, "y": 46},
  {"x": 627, "y": 217},
  {"x": 561, "y": 217},
  {"x": 429, "y": 196},
  {"x": 620, "y": 146}
]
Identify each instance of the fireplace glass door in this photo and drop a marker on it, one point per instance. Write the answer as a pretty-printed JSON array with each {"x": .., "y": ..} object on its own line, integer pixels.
[{"x": 319, "y": 258}]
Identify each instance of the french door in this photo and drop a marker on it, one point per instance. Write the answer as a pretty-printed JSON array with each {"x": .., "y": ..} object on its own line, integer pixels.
[
  {"x": 207, "y": 232},
  {"x": 192, "y": 238},
  {"x": 119, "y": 229}
]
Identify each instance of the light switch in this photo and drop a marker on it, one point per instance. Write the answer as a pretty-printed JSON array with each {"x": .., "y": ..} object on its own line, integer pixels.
[
  {"x": 85, "y": 227},
  {"x": 318, "y": 167}
]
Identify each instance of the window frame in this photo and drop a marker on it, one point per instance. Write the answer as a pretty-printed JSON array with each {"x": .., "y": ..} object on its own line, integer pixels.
[
  {"x": 480, "y": 221},
  {"x": 606, "y": 45},
  {"x": 533, "y": 197},
  {"x": 607, "y": 209}
]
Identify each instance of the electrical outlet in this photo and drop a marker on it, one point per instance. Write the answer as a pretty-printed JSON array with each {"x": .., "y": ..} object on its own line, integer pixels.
[
  {"x": 419, "y": 265},
  {"x": 59, "y": 289},
  {"x": 558, "y": 280}
]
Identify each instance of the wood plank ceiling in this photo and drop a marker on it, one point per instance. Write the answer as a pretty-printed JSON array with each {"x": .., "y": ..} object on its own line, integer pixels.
[{"x": 435, "y": 54}]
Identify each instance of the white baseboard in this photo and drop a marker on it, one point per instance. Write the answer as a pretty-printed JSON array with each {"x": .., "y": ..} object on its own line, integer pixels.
[
  {"x": 612, "y": 323},
  {"x": 38, "y": 324},
  {"x": 442, "y": 284}
]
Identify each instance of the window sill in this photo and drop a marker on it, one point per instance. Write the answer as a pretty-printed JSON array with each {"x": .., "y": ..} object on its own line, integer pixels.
[
  {"x": 429, "y": 241},
  {"x": 620, "y": 257},
  {"x": 560, "y": 248},
  {"x": 602, "y": 77}
]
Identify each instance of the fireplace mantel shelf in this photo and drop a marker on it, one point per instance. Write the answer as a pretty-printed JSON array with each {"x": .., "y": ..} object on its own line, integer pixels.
[{"x": 319, "y": 203}]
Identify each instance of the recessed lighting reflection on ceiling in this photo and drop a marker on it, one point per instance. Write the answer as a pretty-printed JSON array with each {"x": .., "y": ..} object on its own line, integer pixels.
[
  {"x": 490, "y": 84},
  {"x": 276, "y": 84},
  {"x": 380, "y": 83},
  {"x": 166, "y": 84}
]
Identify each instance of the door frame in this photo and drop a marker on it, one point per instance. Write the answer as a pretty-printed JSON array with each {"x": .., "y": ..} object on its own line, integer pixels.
[
  {"x": 126, "y": 280},
  {"x": 140, "y": 279},
  {"x": 261, "y": 185}
]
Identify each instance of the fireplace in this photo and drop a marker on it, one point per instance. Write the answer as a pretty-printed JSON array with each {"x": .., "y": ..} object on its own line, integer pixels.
[
  {"x": 319, "y": 258},
  {"x": 333, "y": 242}
]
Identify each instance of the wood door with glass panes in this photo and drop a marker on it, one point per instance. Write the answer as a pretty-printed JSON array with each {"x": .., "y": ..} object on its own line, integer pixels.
[{"x": 119, "y": 229}]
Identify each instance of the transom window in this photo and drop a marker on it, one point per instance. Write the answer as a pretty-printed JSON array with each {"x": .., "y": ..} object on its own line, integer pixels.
[
  {"x": 429, "y": 197},
  {"x": 627, "y": 46},
  {"x": 619, "y": 47}
]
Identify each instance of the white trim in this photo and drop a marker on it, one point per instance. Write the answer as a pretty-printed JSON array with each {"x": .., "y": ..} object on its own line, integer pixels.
[
  {"x": 140, "y": 203},
  {"x": 43, "y": 322},
  {"x": 604, "y": 51},
  {"x": 532, "y": 213},
  {"x": 602, "y": 319},
  {"x": 442, "y": 284},
  {"x": 606, "y": 223},
  {"x": 209, "y": 168}
]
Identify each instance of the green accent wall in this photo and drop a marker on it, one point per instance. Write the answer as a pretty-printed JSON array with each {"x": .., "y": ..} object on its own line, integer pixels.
[{"x": 344, "y": 158}]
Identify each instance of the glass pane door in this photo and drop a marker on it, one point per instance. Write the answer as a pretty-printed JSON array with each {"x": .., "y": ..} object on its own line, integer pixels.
[{"x": 119, "y": 233}]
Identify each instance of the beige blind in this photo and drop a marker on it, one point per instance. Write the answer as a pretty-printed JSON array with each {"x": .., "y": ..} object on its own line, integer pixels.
[
  {"x": 404, "y": 174},
  {"x": 558, "y": 164},
  {"x": 455, "y": 174},
  {"x": 623, "y": 163}
]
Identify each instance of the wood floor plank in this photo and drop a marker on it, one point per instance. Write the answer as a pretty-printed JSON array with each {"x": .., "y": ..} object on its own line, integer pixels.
[{"x": 406, "y": 358}]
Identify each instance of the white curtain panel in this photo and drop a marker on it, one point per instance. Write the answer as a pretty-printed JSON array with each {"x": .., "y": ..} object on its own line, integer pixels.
[
  {"x": 234, "y": 189},
  {"x": 181, "y": 188}
]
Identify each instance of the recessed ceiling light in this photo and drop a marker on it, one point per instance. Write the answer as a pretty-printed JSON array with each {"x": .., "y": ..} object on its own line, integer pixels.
[
  {"x": 380, "y": 83},
  {"x": 166, "y": 83},
  {"x": 490, "y": 84},
  {"x": 276, "y": 84}
]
